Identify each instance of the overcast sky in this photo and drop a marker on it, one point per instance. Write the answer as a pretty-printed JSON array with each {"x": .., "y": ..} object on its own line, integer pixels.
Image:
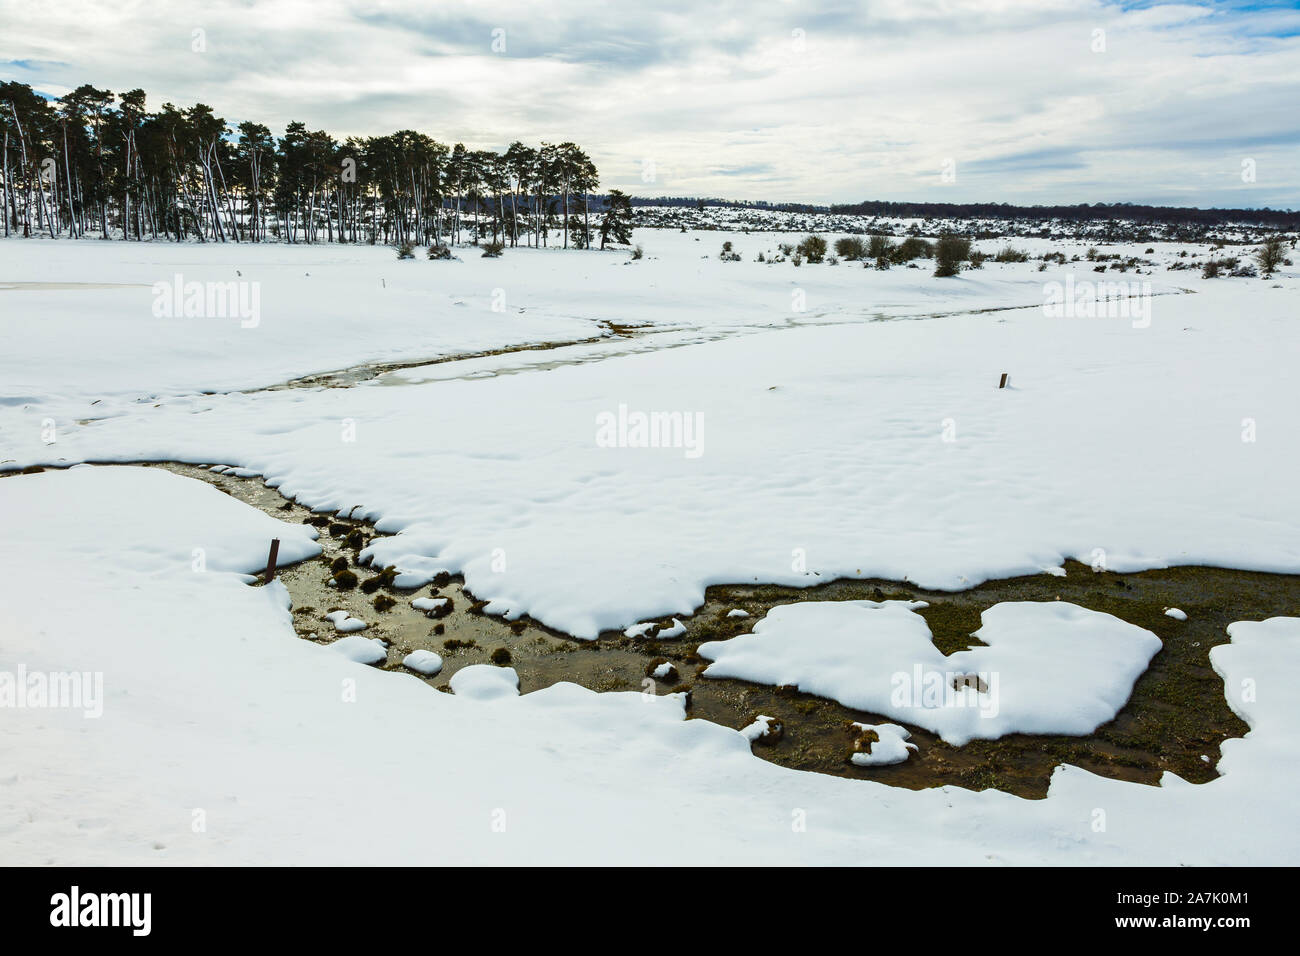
[{"x": 828, "y": 101}]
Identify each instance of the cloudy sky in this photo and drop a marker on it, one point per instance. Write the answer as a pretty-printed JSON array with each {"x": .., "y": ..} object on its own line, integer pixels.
[{"x": 807, "y": 100}]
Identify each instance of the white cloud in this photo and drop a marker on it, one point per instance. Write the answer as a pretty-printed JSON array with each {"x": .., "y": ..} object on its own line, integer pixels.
[{"x": 827, "y": 101}]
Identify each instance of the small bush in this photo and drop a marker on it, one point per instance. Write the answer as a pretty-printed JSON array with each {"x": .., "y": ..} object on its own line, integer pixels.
[
  {"x": 813, "y": 248},
  {"x": 345, "y": 580},
  {"x": 1230, "y": 265},
  {"x": 493, "y": 250},
  {"x": 637, "y": 251},
  {"x": 850, "y": 248},
  {"x": 1009, "y": 254},
  {"x": 949, "y": 252},
  {"x": 909, "y": 249},
  {"x": 878, "y": 246},
  {"x": 1270, "y": 255},
  {"x": 439, "y": 251},
  {"x": 501, "y": 657},
  {"x": 405, "y": 251}
]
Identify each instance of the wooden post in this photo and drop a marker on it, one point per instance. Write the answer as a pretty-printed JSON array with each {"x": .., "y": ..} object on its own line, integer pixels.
[
  {"x": 270, "y": 560},
  {"x": 1003, "y": 383}
]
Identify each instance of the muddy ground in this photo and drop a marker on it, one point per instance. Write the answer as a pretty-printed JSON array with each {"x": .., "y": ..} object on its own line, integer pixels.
[{"x": 1175, "y": 720}]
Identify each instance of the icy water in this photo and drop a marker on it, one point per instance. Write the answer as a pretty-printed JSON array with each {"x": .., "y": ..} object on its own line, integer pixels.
[
  {"x": 615, "y": 341},
  {"x": 1175, "y": 720}
]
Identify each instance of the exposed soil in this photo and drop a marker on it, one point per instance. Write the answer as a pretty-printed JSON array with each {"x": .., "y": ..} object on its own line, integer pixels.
[
  {"x": 1175, "y": 721},
  {"x": 347, "y": 377}
]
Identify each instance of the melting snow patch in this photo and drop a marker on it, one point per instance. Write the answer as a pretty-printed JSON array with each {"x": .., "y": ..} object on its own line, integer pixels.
[
  {"x": 423, "y": 662},
  {"x": 344, "y": 622},
  {"x": 363, "y": 650},
  {"x": 645, "y": 627},
  {"x": 428, "y": 604},
  {"x": 737, "y": 612},
  {"x": 1048, "y": 668},
  {"x": 764, "y": 729},
  {"x": 1176, "y": 614},
  {"x": 485, "y": 682},
  {"x": 879, "y": 745}
]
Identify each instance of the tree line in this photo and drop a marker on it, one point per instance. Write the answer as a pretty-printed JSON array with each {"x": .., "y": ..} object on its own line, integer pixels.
[
  {"x": 100, "y": 163},
  {"x": 1080, "y": 212}
]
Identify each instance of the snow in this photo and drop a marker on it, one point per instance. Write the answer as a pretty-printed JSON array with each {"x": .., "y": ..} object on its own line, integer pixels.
[
  {"x": 423, "y": 662},
  {"x": 233, "y": 719},
  {"x": 863, "y": 436},
  {"x": 737, "y": 612},
  {"x": 345, "y": 622},
  {"x": 664, "y": 671},
  {"x": 891, "y": 747},
  {"x": 761, "y": 725},
  {"x": 676, "y": 629},
  {"x": 186, "y": 528},
  {"x": 1175, "y": 613},
  {"x": 428, "y": 604},
  {"x": 1049, "y": 668},
  {"x": 804, "y": 410},
  {"x": 362, "y": 650},
  {"x": 319, "y": 308},
  {"x": 485, "y": 682}
]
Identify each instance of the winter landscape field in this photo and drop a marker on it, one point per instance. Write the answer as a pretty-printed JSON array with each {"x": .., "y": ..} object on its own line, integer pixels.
[
  {"x": 507, "y": 517},
  {"x": 831, "y": 423}
]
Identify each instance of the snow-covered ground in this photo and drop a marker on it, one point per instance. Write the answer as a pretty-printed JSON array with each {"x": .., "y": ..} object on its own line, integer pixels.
[
  {"x": 223, "y": 738},
  {"x": 802, "y": 454},
  {"x": 1045, "y": 668},
  {"x": 831, "y": 420}
]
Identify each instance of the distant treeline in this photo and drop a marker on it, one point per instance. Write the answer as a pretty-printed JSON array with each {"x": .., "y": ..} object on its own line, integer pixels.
[
  {"x": 1081, "y": 212},
  {"x": 96, "y": 162},
  {"x": 702, "y": 203}
]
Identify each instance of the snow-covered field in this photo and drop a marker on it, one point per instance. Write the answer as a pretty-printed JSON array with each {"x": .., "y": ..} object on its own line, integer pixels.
[{"x": 820, "y": 421}]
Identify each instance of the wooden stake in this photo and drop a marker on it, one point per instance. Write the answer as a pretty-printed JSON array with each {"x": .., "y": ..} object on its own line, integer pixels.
[
  {"x": 270, "y": 560},
  {"x": 1003, "y": 383}
]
